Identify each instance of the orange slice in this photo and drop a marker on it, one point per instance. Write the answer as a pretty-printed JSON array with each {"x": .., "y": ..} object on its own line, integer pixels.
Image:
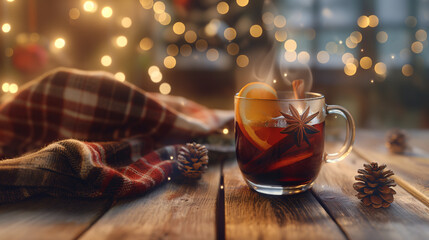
[{"x": 253, "y": 112}]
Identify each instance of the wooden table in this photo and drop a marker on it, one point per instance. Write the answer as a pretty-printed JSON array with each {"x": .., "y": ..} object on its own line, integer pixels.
[{"x": 221, "y": 206}]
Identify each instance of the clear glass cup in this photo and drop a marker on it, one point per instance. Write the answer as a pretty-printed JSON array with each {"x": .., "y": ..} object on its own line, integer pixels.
[{"x": 280, "y": 143}]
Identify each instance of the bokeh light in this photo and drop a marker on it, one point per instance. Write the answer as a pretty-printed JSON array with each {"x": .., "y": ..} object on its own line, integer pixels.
[
  {"x": 159, "y": 7},
  {"x": 290, "y": 45},
  {"x": 190, "y": 36},
  {"x": 201, "y": 45},
  {"x": 90, "y": 6},
  {"x": 303, "y": 57},
  {"x": 120, "y": 76},
  {"x": 407, "y": 70},
  {"x": 179, "y": 28},
  {"x": 107, "y": 12},
  {"x": 126, "y": 22},
  {"x": 6, "y": 27},
  {"x": 74, "y": 13},
  {"x": 363, "y": 21},
  {"x": 169, "y": 62},
  {"x": 172, "y": 50},
  {"x": 290, "y": 56},
  {"x": 13, "y": 88},
  {"x": 242, "y": 61},
  {"x": 280, "y": 36},
  {"x": 186, "y": 50},
  {"x": 373, "y": 21},
  {"x": 382, "y": 37},
  {"x": 279, "y": 21},
  {"x": 233, "y": 49},
  {"x": 146, "y": 44},
  {"x": 417, "y": 47},
  {"x": 59, "y": 43},
  {"x": 350, "y": 69},
  {"x": 222, "y": 8},
  {"x": 421, "y": 35},
  {"x": 255, "y": 31},
  {"x": 380, "y": 68},
  {"x": 365, "y": 62},
  {"x": 212, "y": 54},
  {"x": 242, "y": 3},
  {"x": 230, "y": 34},
  {"x": 323, "y": 57},
  {"x": 121, "y": 41},
  {"x": 165, "y": 88},
  {"x": 106, "y": 60}
]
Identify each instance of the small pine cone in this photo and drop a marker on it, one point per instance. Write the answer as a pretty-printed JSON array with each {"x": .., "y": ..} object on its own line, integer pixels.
[
  {"x": 374, "y": 185},
  {"x": 396, "y": 141},
  {"x": 193, "y": 160}
]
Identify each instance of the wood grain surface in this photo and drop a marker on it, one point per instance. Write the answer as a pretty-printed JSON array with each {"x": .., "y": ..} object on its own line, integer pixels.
[
  {"x": 176, "y": 210},
  {"x": 250, "y": 215},
  {"x": 49, "y": 218},
  {"x": 406, "y": 218}
]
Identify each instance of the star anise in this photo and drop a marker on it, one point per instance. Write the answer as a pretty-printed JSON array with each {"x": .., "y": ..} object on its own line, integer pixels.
[{"x": 298, "y": 124}]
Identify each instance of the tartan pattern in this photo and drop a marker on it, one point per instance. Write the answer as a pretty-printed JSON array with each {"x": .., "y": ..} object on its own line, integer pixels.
[{"x": 111, "y": 130}]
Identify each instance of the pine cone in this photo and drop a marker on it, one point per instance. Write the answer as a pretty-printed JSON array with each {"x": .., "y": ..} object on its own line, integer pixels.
[
  {"x": 374, "y": 186},
  {"x": 193, "y": 160},
  {"x": 396, "y": 141}
]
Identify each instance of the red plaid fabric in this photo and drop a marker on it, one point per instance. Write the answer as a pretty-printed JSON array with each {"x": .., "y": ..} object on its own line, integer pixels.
[{"x": 111, "y": 129}]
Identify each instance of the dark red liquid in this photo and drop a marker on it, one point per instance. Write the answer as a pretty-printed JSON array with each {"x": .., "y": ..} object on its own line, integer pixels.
[{"x": 284, "y": 163}]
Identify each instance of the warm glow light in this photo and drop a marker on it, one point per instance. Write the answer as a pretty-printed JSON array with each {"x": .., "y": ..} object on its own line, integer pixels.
[
  {"x": 350, "y": 69},
  {"x": 186, "y": 50},
  {"x": 107, "y": 12},
  {"x": 10, "y": 0},
  {"x": 350, "y": 44},
  {"x": 190, "y": 36},
  {"x": 164, "y": 18},
  {"x": 303, "y": 57},
  {"x": 121, "y": 41},
  {"x": 106, "y": 60},
  {"x": 233, "y": 49},
  {"x": 230, "y": 34},
  {"x": 242, "y": 3},
  {"x": 280, "y": 35},
  {"x": 279, "y": 21},
  {"x": 59, "y": 43},
  {"x": 347, "y": 58},
  {"x": 5, "y": 87},
  {"x": 212, "y": 27},
  {"x": 159, "y": 7},
  {"x": 382, "y": 37},
  {"x": 222, "y": 8},
  {"x": 179, "y": 28},
  {"x": 255, "y": 31},
  {"x": 417, "y": 47},
  {"x": 212, "y": 54},
  {"x": 169, "y": 62},
  {"x": 146, "y": 44},
  {"x": 146, "y": 4},
  {"x": 74, "y": 13},
  {"x": 225, "y": 131},
  {"x": 290, "y": 45},
  {"x": 365, "y": 62},
  {"x": 201, "y": 45},
  {"x": 331, "y": 47},
  {"x": 126, "y": 22},
  {"x": 156, "y": 77},
  {"x": 290, "y": 56},
  {"x": 172, "y": 50},
  {"x": 380, "y": 68},
  {"x": 6, "y": 27},
  {"x": 407, "y": 70},
  {"x": 165, "y": 88},
  {"x": 242, "y": 61},
  {"x": 323, "y": 57},
  {"x": 90, "y": 6},
  {"x": 373, "y": 21},
  {"x": 120, "y": 76},
  {"x": 268, "y": 18},
  {"x": 152, "y": 69},
  {"x": 363, "y": 21},
  {"x": 421, "y": 35},
  {"x": 356, "y": 37},
  {"x": 13, "y": 88}
]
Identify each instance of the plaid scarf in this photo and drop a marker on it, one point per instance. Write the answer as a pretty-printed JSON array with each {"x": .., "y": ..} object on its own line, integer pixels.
[{"x": 106, "y": 138}]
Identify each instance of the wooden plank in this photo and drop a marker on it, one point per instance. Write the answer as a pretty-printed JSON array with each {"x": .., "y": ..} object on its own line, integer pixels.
[
  {"x": 411, "y": 168},
  {"x": 49, "y": 218},
  {"x": 176, "y": 210},
  {"x": 249, "y": 215},
  {"x": 406, "y": 218}
]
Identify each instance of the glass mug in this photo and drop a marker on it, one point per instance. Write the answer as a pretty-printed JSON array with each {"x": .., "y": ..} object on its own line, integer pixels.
[{"x": 282, "y": 155}]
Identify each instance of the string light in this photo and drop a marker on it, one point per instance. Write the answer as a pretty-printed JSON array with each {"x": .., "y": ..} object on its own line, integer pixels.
[
  {"x": 146, "y": 44},
  {"x": 363, "y": 21},
  {"x": 290, "y": 45},
  {"x": 164, "y": 88},
  {"x": 169, "y": 62},
  {"x": 6, "y": 27},
  {"x": 5, "y": 87},
  {"x": 407, "y": 70},
  {"x": 230, "y": 34},
  {"x": 107, "y": 12},
  {"x": 323, "y": 57},
  {"x": 120, "y": 76},
  {"x": 365, "y": 62},
  {"x": 121, "y": 41},
  {"x": 152, "y": 69},
  {"x": 126, "y": 22},
  {"x": 242, "y": 61},
  {"x": 373, "y": 21},
  {"x": 159, "y": 7},
  {"x": 74, "y": 13},
  {"x": 417, "y": 47},
  {"x": 106, "y": 60},
  {"x": 212, "y": 54},
  {"x": 179, "y": 28},
  {"x": 255, "y": 31},
  {"x": 90, "y": 6},
  {"x": 350, "y": 69},
  {"x": 380, "y": 68},
  {"x": 59, "y": 43},
  {"x": 242, "y": 3},
  {"x": 222, "y": 8},
  {"x": 11, "y": 88}
]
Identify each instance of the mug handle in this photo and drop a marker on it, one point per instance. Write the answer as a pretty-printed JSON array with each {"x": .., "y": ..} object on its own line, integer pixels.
[{"x": 350, "y": 134}]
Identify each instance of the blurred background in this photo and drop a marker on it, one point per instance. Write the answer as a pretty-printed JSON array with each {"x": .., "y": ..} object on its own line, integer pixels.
[{"x": 371, "y": 56}]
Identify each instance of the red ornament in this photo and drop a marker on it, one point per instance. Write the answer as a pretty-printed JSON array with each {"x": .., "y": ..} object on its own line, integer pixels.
[{"x": 29, "y": 58}]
